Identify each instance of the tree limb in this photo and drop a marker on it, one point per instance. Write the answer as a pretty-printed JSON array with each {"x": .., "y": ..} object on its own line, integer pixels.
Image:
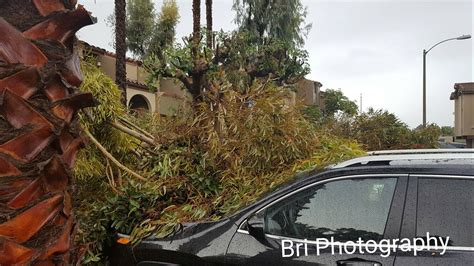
[
  {"x": 111, "y": 157},
  {"x": 132, "y": 133},
  {"x": 132, "y": 125},
  {"x": 184, "y": 79}
]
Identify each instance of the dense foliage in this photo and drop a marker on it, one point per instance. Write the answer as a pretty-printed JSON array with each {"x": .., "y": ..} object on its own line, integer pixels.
[
  {"x": 96, "y": 176},
  {"x": 234, "y": 60},
  {"x": 96, "y": 120},
  {"x": 283, "y": 20},
  {"x": 381, "y": 130},
  {"x": 148, "y": 31},
  {"x": 447, "y": 131},
  {"x": 336, "y": 102}
]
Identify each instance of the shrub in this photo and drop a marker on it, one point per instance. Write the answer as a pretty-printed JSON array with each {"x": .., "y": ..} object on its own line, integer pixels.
[{"x": 381, "y": 130}]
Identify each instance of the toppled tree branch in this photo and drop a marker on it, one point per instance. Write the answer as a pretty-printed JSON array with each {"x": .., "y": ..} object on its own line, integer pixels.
[
  {"x": 141, "y": 135},
  {"x": 132, "y": 125},
  {"x": 133, "y": 133},
  {"x": 111, "y": 157}
]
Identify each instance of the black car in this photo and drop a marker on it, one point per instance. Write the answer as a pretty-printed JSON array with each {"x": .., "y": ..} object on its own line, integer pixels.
[{"x": 388, "y": 208}]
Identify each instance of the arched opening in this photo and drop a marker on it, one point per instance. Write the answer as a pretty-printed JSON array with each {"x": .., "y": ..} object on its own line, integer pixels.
[{"x": 139, "y": 104}]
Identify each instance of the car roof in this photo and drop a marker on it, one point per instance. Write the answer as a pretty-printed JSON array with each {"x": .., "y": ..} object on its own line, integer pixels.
[
  {"x": 454, "y": 162},
  {"x": 402, "y": 162},
  {"x": 428, "y": 157}
]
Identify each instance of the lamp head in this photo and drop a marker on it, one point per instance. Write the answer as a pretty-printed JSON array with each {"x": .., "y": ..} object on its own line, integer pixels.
[{"x": 464, "y": 37}]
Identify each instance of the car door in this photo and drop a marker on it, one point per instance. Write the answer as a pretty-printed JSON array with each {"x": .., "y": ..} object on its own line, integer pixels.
[
  {"x": 441, "y": 206},
  {"x": 344, "y": 208}
]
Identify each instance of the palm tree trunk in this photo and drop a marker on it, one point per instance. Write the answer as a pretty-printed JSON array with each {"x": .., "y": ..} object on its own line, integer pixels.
[
  {"x": 39, "y": 133},
  {"x": 120, "y": 48},
  {"x": 210, "y": 35},
  {"x": 197, "y": 75},
  {"x": 196, "y": 27}
]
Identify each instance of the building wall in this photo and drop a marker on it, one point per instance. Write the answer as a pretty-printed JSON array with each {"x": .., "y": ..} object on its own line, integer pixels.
[
  {"x": 305, "y": 92},
  {"x": 149, "y": 96},
  {"x": 173, "y": 97},
  {"x": 308, "y": 92},
  {"x": 463, "y": 97},
  {"x": 166, "y": 101},
  {"x": 107, "y": 64},
  {"x": 132, "y": 72},
  {"x": 141, "y": 75},
  {"x": 467, "y": 117},
  {"x": 457, "y": 118}
]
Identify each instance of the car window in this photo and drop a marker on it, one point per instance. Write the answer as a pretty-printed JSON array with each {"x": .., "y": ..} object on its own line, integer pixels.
[
  {"x": 446, "y": 208},
  {"x": 344, "y": 209}
]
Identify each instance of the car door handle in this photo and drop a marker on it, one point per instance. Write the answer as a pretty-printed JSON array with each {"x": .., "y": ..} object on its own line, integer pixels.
[{"x": 357, "y": 262}]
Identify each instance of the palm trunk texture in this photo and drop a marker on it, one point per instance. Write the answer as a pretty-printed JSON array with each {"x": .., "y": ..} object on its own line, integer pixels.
[
  {"x": 39, "y": 131},
  {"x": 196, "y": 39},
  {"x": 121, "y": 48},
  {"x": 210, "y": 34}
]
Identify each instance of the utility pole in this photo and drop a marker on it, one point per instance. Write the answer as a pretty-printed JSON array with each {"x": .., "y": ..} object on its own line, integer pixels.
[{"x": 360, "y": 106}]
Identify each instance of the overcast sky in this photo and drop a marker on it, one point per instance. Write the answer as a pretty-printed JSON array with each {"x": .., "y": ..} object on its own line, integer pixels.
[{"x": 373, "y": 48}]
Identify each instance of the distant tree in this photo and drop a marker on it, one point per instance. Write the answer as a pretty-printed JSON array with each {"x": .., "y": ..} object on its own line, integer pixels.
[
  {"x": 280, "y": 19},
  {"x": 377, "y": 130},
  {"x": 120, "y": 48},
  {"x": 447, "y": 131},
  {"x": 140, "y": 24},
  {"x": 232, "y": 57},
  {"x": 149, "y": 32},
  {"x": 425, "y": 137},
  {"x": 335, "y": 101},
  {"x": 382, "y": 130},
  {"x": 164, "y": 29}
]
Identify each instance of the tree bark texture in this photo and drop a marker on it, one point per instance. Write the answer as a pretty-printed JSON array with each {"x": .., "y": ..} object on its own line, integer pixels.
[
  {"x": 120, "y": 48},
  {"x": 210, "y": 34},
  {"x": 196, "y": 75},
  {"x": 39, "y": 132},
  {"x": 196, "y": 26}
]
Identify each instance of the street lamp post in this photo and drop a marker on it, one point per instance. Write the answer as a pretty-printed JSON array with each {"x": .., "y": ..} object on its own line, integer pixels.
[{"x": 425, "y": 52}]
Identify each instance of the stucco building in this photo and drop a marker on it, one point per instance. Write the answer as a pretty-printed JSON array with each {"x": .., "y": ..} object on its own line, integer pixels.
[
  {"x": 463, "y": 97},
  {"x": 309, "y": 92},
  {"x": 169, "y": 95}
]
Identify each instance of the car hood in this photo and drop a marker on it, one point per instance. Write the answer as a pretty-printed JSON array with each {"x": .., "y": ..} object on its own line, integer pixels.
[{"x": 185, "y": 230}]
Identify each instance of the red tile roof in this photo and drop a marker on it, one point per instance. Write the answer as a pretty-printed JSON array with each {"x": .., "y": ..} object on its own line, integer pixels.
[
  {"x": 105, "y": 52},
  {"x": 137, "y": 84}
]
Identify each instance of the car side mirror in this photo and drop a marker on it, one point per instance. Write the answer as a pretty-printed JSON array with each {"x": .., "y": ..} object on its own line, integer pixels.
[{"x": 255, "y": 224}]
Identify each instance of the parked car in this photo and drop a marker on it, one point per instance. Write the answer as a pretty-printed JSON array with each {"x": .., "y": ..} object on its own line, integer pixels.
[{"x": 384, "y": 196}]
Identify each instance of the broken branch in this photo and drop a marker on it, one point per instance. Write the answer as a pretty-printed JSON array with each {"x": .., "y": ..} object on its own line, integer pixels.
[
  {"x": 133, "y": 133},
  {"x": 111, "y": 157}
]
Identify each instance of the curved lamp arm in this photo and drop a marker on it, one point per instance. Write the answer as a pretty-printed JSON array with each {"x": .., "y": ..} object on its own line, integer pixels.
[{"x": 462, "y": 37}]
